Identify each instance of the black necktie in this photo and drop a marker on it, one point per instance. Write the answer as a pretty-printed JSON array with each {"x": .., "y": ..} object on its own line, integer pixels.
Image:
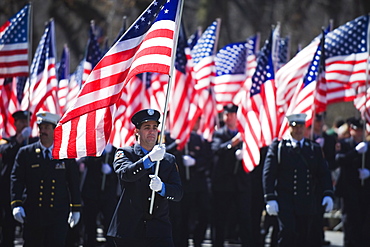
[
  {"x": 299, "y": 145},
  {"x": 47, "y": 155}
]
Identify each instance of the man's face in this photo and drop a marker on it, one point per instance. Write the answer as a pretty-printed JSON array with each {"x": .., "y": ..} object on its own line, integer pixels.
[
  {"x": 20, "y": 124},
  {"x": 298, "y": 131},
  {"x": 230, "y": 119},
  {"x": 148, "y": 134},
  {"x": 46, "y": 133}
]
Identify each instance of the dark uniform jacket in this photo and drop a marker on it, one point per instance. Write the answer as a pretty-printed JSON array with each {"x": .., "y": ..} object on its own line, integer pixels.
[
  {"x": 349, "y": 161},
  {"x": 227, "y": 172},
  {"x": 8, "y": 151},
  {"x": 132, "y": 218},
  {"x": 201, "y": 152},
  {"x": 48, "y": 190},
  {"x": 300, "y": 180}
]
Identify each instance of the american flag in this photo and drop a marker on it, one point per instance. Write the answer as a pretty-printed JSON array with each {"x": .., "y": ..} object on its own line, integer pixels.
[
  {"x": 14, "y": 45},
  {"x": 181, "y": 95},
  {"x": 93, "y": 53},
  {"x": 346, "y": 51},
  {"x": 8, "y": 105},
  {"x": 41, "y": 89},
  {"x": 147, "y": 46},
  {"x": 63, "y": 78},
  {"x": 257, "y": 114},
  {"x": 203, "y": 65},
  {"x": 231, "y": 62},
  {"x": 303, "y": 101},
  {"x": 283, "y": 52}
]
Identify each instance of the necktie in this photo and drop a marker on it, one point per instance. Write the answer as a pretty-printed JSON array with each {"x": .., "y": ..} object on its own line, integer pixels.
[
  {"x": 47, "y": 155},
  {"x": 299, "y": 145}
]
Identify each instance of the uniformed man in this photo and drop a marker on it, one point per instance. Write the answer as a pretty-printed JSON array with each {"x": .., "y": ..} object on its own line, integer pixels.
[
  {"x": 295, "y": 177},
  {"x": 231, "y": 188},
  {"x": 353, "y": 185},
  {"x": 8, "y": 150},
  {"x": 132, "y": 224},
  {"x": 44, "y": 192}
]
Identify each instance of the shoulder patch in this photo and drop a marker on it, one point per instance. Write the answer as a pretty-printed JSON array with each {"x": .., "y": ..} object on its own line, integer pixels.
[{"x": 119, "y": 154}]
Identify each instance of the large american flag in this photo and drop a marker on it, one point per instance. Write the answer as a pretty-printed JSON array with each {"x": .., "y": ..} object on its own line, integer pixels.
[
  {"x": 42, "y": 86},
  {"x": 257, "y": 113},
  {"x": 231, "y": 73},
  {"x": 147, "y": 46},
  {"x": 303, "y": 101},
  {"x": 8, "y": 105},
  {"x": 346, "y": 51},
  {"x": 14, "y": 45}
]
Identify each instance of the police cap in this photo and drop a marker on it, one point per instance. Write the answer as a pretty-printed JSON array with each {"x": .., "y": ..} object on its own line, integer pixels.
[
  {"x": 21, "y": 114},
  {"x": 47, "y": 117},
  {"x": 144, "y": 116},
  {"x": 355, "y": 123},
  {"x": 295, "y": 119},
  {"x": 229, "y": 108}
]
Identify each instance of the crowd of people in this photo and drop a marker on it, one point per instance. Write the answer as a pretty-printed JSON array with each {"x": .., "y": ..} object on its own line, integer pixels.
[{"x": 155, "y": 194}]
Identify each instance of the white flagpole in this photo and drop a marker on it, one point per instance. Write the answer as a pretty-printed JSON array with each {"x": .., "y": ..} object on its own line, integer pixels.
[{"x": 176, "y": 35}]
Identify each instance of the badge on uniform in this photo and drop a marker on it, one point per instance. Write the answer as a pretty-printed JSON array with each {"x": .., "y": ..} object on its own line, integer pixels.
[
  {"x": 119, "y": 154},
  {"x": 60, "y": 165}
]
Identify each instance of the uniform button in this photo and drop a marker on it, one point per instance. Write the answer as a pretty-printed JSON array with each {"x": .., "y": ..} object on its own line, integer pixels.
[
  {"x": 51, "y": 199},
  {"x": 295, "y": 187},
  {"x": 40, "y": 205},
  {"x": 51, "y": 205},
  {"x": 149, "y": 198},
  {"x": 40, "y": 199},
  {"x": 295, "y": 176},
  {"x": 134, "y": 173},
  {"x": 53, "y": 181},
  {"x": 308, "y": 193},
  {"x": 295, "y": 170},
  {"x": 295, "y": 181},
  {"x": 295, "y": 193},
  {"x": 308, "y": 182},
  {"x": 41, "y": 181},
  {"x": 308, "y": 175},
  {"x": 140, "y": 168},
  {"x": 41, "y": 193},
  {"x": 52, "y": 187},
  {"x": 41, "y": 187},
  {"x": 52, "y": 193}
]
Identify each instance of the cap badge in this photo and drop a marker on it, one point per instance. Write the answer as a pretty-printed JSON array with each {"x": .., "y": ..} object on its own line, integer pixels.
[{"x": 150, "y": 112}]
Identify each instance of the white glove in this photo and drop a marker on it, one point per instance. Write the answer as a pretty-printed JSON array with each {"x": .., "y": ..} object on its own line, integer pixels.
[
  {"x": 73, "y": 219},
  {"x": 320, "y": 141},
  {"x": 272, "y": 207},
  {"x": 26, "y": 132},
  {"x": 361, "y": 147},
  {"x": 328, "y": 201},
  {"x": 364, "y": 173},
  {"x": 239, "y": 154},
  {"x": 19, "y": 214},
  {"x": 155, "y": 183},
  {"x": 157, "y": 153},
  {"x": 188, "y": 160},
  {"x": 108, "y": 148},
  {"x": 106, "y": 169}
]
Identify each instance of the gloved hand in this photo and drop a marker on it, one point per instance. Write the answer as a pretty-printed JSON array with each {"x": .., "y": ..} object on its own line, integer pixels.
[
  {"x": 108, "y": 148},
  {"x": 320, "y": 141},
  {"x": 361, "y": 147},
  {"x": 272, "y": 207},
  {"x": 106, "y": 169},
  {"x": 19, "y": 214},
  {"x": 328, "y": 201},
  {"x": 26, "y": 132},
  {"x": 73, "y": 219},
  {"x": 239, "y": 154},
  {"x": 155, "y": 183},
  {"x": 188, "y": 160},
  {"x": 157, "y": 153},
  {"x": 364, "y": 173}
]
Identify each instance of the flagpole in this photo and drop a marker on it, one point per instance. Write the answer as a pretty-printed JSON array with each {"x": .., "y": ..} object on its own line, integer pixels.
[
  {"x": 30, "y": 29},
  {"x": 366, "y": 88},
  {"x": 170, "y": 79}
]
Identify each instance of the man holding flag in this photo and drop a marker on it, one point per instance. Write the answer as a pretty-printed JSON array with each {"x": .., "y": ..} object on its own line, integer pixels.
[{"x": 132, "y": 224}]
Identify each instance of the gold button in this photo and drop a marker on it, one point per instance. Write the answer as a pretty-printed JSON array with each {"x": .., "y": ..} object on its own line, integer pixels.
[
  {"x": 52, "y": 187},
  {"x": 53, "y": 181},
  {"x": 51, "y": 199},
  {"x": 41, "y": 187},
  {"x": 40, "y": 193},
  {"x": 51, "y": 205},
  {"x": 40, "y": 199},
  {"x": 40, "y": 205},
  {"x": 52, "y": 193}
]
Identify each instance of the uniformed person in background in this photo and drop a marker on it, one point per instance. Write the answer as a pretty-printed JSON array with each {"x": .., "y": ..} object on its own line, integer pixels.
[
  {"x": 8, "y": 150},
  {"x": 231, "y": 188},
  {"x": 295, "y": 178},
  {"x": 45, "y": 192},
  {"x": 99, "y": 195},
  {"x": 353, "y": 185},
  {"x": 192, "y": 213},
  {"x": 132, "y": 224}
]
